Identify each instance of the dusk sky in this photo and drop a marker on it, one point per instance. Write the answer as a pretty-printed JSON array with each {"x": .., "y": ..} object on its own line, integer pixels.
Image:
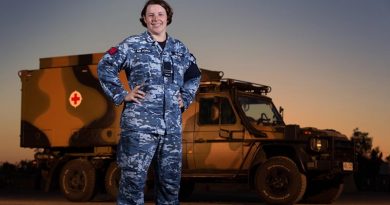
[{"x": 327, "y": 61}]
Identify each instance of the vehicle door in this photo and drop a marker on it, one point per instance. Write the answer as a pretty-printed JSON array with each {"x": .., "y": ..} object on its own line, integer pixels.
[{"x": 219, "y": 134}]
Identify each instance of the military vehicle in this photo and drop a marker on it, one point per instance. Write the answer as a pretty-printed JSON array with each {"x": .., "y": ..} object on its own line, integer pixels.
[{"x": 232, "y": 132}]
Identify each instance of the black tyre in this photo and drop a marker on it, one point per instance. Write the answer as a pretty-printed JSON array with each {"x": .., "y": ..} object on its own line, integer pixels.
[
  {"x": 186, "y": 189},
  {"x": 113, "y": 176},
  {"x": 323, "y": 192},
  {"x": 111, "y": 180},
  {"x": 77, "y": 180},
  {"x": 279, "y": 181}
]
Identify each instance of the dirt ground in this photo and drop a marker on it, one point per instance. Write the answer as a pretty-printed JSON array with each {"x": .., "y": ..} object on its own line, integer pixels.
[{"x": 204, "y": 194}]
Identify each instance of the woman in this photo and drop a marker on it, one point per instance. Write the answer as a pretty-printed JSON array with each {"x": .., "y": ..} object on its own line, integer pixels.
[{"x": 163, "y": 78}]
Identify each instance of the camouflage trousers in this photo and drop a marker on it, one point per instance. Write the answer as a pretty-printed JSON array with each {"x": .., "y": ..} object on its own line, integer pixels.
[{"x": 135, "y": 153}]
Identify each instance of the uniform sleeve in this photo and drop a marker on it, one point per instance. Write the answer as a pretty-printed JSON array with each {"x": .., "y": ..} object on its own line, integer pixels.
[
  {"x": 191, "y": 82},
  {"x": 108, "y": 73}
]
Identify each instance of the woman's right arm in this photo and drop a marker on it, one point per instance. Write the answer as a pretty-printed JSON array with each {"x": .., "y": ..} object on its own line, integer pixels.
[{"x": 108, "y": 73}]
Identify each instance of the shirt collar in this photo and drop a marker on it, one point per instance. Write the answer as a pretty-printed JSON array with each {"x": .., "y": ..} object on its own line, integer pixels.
[{"x": 150, "y": 39}]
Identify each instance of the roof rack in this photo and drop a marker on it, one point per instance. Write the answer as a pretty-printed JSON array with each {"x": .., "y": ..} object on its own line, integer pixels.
[
  {"x": 247, "y": 86},
  {"x": 210, "y": 75},
  {"x": 210, "y": 80}
]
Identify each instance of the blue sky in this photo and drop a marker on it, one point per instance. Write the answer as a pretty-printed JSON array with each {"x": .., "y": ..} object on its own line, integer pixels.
[{"x": 327, "y": 61}]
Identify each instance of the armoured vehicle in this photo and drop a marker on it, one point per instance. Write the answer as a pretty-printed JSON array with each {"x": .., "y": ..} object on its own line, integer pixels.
[{"x": 232, "y": 132}]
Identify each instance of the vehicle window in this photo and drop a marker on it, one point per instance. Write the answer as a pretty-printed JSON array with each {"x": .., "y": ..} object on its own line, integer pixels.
[
  {"x": 215, "y": 110},
  {"x": 258, "y": 111}
]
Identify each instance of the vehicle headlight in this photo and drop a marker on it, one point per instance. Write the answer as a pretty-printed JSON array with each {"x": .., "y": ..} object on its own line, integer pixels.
[{"x": 318, "y": 144}]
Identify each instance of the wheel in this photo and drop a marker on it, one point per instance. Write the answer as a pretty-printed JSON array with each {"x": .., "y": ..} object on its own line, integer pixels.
[
  {"x": 279, "y": 181},
  {"x": 77, "y": 180},
  {"x": 323, "y": 192},
  {"x": 111, "y": 180},
  {"x": 186, "y": 189}
]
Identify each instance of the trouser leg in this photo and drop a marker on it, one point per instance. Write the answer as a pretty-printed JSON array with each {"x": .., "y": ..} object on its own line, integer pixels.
[
  {"x": 168, "y": 169},
  {"x": 135, "y": 153}
]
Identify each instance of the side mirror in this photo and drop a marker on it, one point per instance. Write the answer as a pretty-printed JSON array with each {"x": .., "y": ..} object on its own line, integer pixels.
[
  {"x": 230, "y": 134},
  {"x": 281, "y": 111}
]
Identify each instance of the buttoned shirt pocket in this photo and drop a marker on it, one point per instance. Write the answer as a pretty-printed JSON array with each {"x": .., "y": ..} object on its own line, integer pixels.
[
  {"x": 140, "y": 67},
  {"x": 179, "y": 64}
]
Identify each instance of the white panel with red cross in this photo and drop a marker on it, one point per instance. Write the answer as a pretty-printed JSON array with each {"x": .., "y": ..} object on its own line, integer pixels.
[{"x": 75, "y": 98}]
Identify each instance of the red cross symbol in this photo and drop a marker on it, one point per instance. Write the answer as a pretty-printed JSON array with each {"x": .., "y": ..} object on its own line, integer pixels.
[{"x": 75, "y": 99}]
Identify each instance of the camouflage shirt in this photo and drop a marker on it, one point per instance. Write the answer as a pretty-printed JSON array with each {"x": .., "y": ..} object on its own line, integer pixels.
[{"x": 164, "y": 74}]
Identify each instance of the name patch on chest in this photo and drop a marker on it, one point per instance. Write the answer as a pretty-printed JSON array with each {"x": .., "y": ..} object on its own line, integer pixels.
[
  {"x": 177, "y": 54},
  {"x": 143, "y": 50}
]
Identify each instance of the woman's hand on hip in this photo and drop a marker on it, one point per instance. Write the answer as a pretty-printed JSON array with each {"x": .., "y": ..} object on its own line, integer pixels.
[{"x": 135, "y": 95}]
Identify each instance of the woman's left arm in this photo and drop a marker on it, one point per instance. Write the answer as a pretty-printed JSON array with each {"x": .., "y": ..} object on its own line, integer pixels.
[{"x": 191, "y": 82}]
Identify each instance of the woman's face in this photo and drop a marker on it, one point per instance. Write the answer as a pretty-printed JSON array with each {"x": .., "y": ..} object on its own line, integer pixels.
[{"x": 156, "y": 19}]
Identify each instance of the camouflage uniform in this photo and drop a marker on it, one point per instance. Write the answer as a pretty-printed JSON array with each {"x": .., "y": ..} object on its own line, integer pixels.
[{"x": 152, "y": 128}]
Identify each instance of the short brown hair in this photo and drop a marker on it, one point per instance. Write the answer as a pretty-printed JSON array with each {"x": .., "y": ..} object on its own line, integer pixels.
[{"x": 162, "y": 3}]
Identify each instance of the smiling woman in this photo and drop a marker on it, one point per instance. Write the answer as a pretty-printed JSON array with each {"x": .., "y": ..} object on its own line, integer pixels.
[
  {"x": 156, "y": 18},
  {"x": 163, "y": 78}
]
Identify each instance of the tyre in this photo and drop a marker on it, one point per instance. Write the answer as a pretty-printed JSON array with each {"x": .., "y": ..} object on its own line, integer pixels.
[
  {"x": 111, "y": 180},
  {"x": 323, "y": 192},
  {"x": 279, "y": 181},
  {"x": 77, "y": 180},
  {"x": 186, "y": 189}
]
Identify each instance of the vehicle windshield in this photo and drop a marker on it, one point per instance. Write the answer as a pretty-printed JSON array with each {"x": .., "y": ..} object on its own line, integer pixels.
[{"x": 259, "y": 111}]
